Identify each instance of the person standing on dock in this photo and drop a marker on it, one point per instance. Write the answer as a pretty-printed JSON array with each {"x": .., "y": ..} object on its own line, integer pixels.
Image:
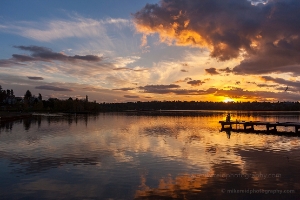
[{"x": 228, "y": 117}]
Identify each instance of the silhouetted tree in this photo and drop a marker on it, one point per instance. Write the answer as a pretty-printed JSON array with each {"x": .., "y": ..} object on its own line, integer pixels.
[
  {"x": 1, "y": 94},
  {"x": 27, "y": 98},
  {"x": 40, "y": 97},
  {"x": 27, "y": 95}
]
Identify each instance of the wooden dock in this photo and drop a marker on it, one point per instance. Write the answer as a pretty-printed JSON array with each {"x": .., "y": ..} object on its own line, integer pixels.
[{"x": 270, "y": 126}]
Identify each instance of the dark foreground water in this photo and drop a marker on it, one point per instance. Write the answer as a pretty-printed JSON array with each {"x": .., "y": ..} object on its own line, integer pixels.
[{"x": 129, "y": 156}]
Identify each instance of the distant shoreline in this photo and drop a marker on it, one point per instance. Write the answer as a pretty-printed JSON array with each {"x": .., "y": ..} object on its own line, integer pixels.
[
  {"x": 12, "y": 116},
  {"x": 6, "y": 116}
]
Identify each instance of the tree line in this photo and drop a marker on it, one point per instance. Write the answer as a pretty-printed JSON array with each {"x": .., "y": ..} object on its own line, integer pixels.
[
  {"x": 5, "y": 94},
  {"x": 200, "y": 105},
  {"x": 32, "y": 103}
]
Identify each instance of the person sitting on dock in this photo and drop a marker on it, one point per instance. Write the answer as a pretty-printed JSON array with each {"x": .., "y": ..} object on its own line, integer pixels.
[{"x": 228, "y": 118}]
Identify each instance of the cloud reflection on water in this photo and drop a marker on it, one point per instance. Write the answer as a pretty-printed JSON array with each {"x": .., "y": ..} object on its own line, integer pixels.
[{"x": 158, "y": 156}]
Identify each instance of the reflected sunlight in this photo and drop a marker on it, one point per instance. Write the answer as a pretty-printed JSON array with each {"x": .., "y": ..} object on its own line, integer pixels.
[{"x": 166, "y": 156}]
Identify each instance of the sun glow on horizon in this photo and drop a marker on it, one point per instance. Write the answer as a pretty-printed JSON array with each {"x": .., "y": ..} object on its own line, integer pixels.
[{"x": 228, "y": 99}]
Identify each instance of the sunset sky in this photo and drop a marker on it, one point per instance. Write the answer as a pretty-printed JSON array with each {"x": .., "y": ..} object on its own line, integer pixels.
[{"x": 147, "y": 50}]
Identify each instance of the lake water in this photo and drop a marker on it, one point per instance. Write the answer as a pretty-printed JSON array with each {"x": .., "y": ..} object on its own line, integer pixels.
[{"x": 176, "y": 155}]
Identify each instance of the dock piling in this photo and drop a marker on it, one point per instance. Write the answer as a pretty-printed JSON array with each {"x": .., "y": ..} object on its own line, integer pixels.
[{"x": 270, "y": 126}]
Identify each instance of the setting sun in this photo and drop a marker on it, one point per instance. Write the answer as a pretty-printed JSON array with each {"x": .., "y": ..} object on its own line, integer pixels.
[{"x": 227, "y": 99}]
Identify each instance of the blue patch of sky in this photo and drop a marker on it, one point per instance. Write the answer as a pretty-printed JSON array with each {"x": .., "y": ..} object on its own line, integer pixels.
[{"x": 37, "y": 11}]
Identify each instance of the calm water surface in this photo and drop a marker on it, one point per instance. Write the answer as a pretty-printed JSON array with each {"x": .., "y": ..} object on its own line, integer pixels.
[{"x": 130, "y": 156}]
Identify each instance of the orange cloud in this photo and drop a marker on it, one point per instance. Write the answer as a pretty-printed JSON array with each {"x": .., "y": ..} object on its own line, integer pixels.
[
  {"x": 189, "y": 23},
  {"x": 169, "y": 35},
  {"x": 266, "y": 34},
  {"x": 169, "y": 187}
]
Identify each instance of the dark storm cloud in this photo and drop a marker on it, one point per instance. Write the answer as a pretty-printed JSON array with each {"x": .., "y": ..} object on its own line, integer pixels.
[
  {"x": 37, "y": 78},
  {"x": 91, "y": 58},
  {"x": 212, "y": 71},
  {"x": 126, "y": 68},
  {"x": 226, "y": 70},
  {"x": 232, "y": 93},
  {"x": 121, "y": 68},
  {"x": 124, "y": 89},
  {"x": 159, "y": 87},
  {"x": 184, "y": 80},
  {"x": 282, "y": 81},
  {"x": 33, "y": 48},
  {"x": 22, "y": 58},
  {"x": 131, "y": 96},
  {"x": 194, "y": 92},
  {"x": 227, "y": 26},
  {"x": 46, "y": 54},
  {"x": 265, "y": 85},
  {"x": 53, "y": 88},
  {"x": 287, "y": 89},
  {"x": 258, "y": 95},
  {"x": 267, "y": 31},
  {"x": 139, "y": 70},
  {"x": 281, "y": 58},
  {"x": 249, "y": 82},
  {"x": 195, "y": 82}
]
